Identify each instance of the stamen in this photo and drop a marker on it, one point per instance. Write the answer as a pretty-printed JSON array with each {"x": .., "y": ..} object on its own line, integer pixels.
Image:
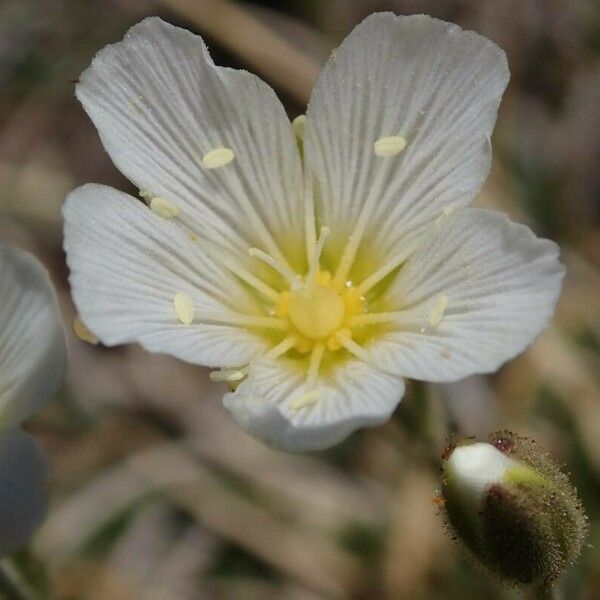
[
  {"x": 283, "y": 270},
  {"x": 219, "y": 157},
  {"x": 184, "y": 307},
  {"x": 398, "y": 316},
  {"x": 83, "y": 333},
  {"x": 249, "y": 278},
  {"x": 380, "y": 274},
  {"x": 164, "y": 208},
  {"x": 437, "y": 312},
  {"x": 372, "y": 319},
  {"x": 299, "y": 126},
  {"x": 227, "y": 375},
  {"x": 306, "y": 400},
  {"x": 356, "y": 350},
  {"x": 286, "y": 344},
  {"x": 314, "y": 262},
  {"x": 355, "y": 238},
  {"x": 250, "y": 321},
  {"x": 314, "y": 364},
  {"x": 448, "y": 210},
  {"x": 352, "y": 347},
  {"x": 333, "y": 341},
  {"x": 216, "y": 250},
  {"x": 146, "y": 196},
  {"x": 389, "y": 146}
]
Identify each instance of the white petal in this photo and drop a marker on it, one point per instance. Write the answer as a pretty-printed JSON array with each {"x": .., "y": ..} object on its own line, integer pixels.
[
  {"x": 408, "y": 78},
  {"x": 23, "y": 489},
  {"x": 162, "y": 107},
  {"x": 32, "y": 344},
  {"x": 352, "y": 396},
  {"x": 500, "y": 283},
  {"x": 128, "y": 264}
]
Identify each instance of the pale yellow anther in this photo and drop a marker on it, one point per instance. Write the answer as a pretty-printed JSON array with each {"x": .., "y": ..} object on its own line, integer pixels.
[
  {"x": 299, "y": 126},
  {"x": 437, "y": 312},
  {"x": 448, "y": 210},
  {"x": 83, "y": 333},
  {"x": 389, "y": 146},
  {"x": 164, "y": 208},
  {"x": 309, "y": 399},
  {"x": 219, "y": 157},
  {"x": 184, "y": 307},
  {"x": 227, "y": 375},
  {"x": 146, "y": 196}
]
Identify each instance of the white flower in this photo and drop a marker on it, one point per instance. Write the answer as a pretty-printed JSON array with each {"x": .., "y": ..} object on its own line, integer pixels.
[
  {"x": 32, "y": 358},
  {"x": 316, "y": 272}
]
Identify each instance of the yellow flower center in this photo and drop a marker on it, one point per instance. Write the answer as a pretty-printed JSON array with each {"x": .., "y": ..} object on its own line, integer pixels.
[{"x": 318, "y": 312}]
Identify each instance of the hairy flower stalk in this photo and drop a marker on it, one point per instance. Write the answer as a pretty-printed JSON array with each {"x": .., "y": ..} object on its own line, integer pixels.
[
  {"x": 316, "y": 264},
  {"x": 513, "y": 509}
]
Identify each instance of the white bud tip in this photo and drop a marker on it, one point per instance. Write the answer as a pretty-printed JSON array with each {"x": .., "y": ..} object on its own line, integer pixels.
[{"x": 470, "y": 469}]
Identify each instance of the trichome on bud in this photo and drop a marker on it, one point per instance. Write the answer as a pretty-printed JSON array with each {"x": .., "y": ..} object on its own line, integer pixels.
[{"x": 512, "y": 508}]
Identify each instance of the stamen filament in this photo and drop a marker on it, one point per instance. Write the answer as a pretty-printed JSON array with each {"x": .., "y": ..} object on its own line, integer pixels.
[
  {"x": 372, "y": 319},
  {"x": 373, "y": 279},
  {"x": 282, "y": 269},
  {"x": 286, "y": 344},
  {"x": 315, "y": 362},
  {"x": 347, "y": 258},
  {"x": 253, "y": 281},
  {"x": 399, "y": 316},
  {"x": 248, "y": 320},
  {"x": 356, "y": 236},
  {"x": 310, "y": 229},
  {"x": 314, "y": 261},
  {"x": 220, "y": 255},
  {"x": 356, "y": 350},
  {"x": 352, "y": 347}
]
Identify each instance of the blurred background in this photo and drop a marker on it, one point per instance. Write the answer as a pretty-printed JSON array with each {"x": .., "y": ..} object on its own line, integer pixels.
[{"x": 156, "y": 493}]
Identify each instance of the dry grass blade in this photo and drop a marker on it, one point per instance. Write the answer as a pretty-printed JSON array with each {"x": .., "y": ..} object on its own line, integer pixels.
[{"x": 261, "y": 48}]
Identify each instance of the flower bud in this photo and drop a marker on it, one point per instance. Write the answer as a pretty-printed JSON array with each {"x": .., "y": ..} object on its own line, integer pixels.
[{"x": 512, "y": 508}]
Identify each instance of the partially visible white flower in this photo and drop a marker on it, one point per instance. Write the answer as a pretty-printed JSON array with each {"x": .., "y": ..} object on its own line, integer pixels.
[
  {"x": 32, "y": 358},
  {"x": 315, "y": 275}
]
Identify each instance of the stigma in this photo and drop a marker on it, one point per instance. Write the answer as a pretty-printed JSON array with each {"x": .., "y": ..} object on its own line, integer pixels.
[{"x": 318, "y": 312}]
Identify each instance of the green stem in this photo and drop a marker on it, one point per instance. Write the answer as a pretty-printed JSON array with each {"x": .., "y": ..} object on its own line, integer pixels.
[{"x": 12, "y": 587}]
